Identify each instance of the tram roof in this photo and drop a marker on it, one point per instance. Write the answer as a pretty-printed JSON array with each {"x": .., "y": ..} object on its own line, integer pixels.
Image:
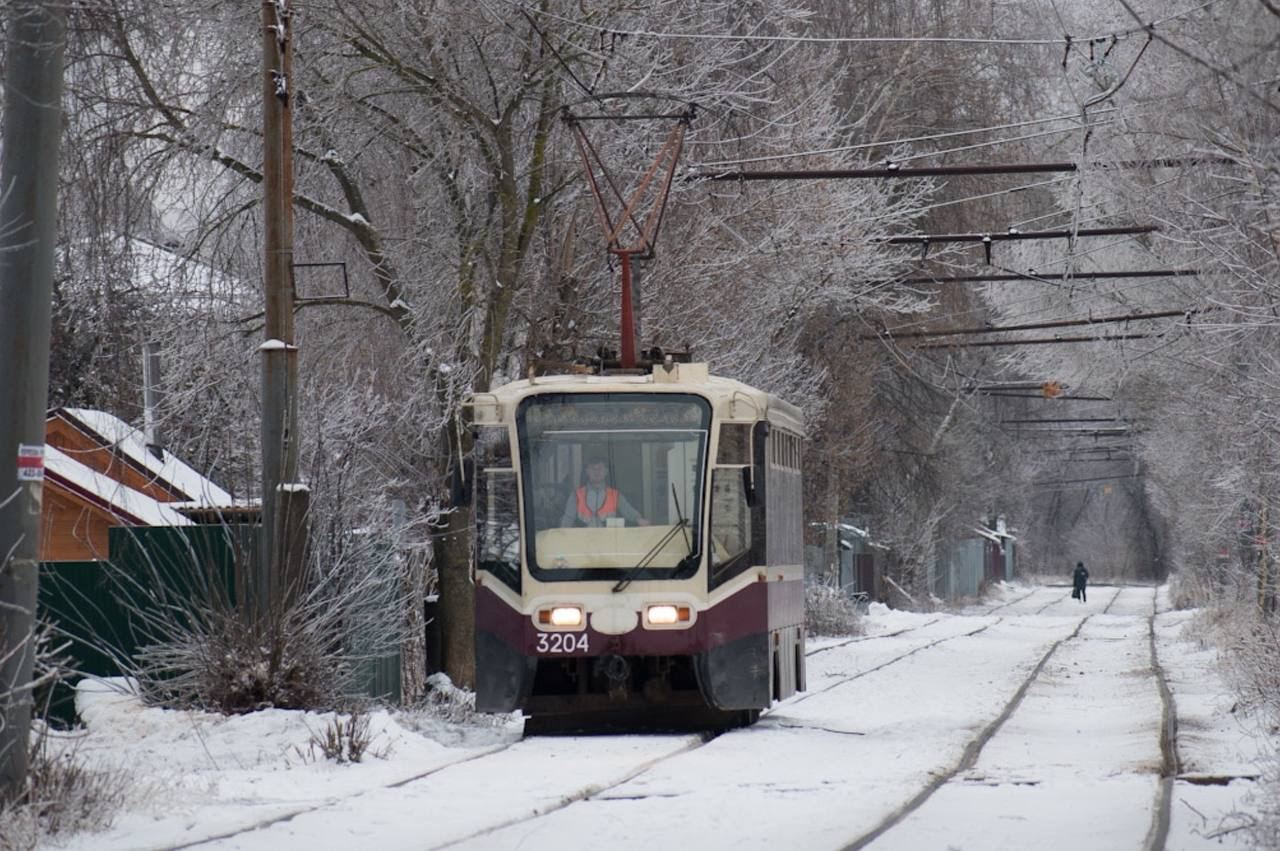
[{"x": 685, "y": 377}]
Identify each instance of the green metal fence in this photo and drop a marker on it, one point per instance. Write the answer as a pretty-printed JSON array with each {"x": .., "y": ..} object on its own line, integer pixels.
[{"x": 100, "y": 608}]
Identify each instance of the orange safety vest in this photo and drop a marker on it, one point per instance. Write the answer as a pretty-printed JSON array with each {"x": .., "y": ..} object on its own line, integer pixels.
[{"x": 609, "y": 507}]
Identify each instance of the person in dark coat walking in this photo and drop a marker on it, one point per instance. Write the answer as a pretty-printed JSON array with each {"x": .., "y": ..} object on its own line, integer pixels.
[{"x": 1078, "y": 581}]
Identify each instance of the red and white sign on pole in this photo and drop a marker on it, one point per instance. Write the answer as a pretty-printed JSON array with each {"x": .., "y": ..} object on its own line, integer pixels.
[{"x": 30, "y": 463}]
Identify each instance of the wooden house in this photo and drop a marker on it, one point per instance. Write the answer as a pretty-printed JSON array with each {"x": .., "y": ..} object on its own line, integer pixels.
[{"x": 100, "y": 472}]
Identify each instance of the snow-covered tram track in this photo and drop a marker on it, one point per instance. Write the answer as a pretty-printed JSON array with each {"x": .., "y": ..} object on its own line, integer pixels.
[
  {"x": 1066, "y": 600},
  {"x": 1030, "y": 764},
  {"x": 1096, "y": 753},
  {"x": 267, "y": 832},
  {"x": 600, "y": 790},
  {"x": 986, "y": 610},
  {"x": 293, "y": 812},
  {"x": 803, "y": 775},
  {"x": 858, "y": 639},
  {"x": 1007, "y": 603},
  {"x": 581, "y": 794},
  {"x": 1169, "y": 762},
  {"x": 576, "y": 769},
  {"x": 1041, "y": 599},
  {"x": 963, "y": 630},
  {"x": 602, "y": 774},
  {"x": 1212, "y": 765},
  {"x": 968, "y": 757}
]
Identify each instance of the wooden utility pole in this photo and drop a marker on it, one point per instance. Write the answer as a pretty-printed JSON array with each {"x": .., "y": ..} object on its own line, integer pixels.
[
  {"x": 284, "y": 503},
  {"x": 28, "y": 229}
]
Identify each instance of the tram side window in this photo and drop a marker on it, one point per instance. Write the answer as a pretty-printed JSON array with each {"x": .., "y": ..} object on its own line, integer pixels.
[
  {"x": 730, "y": 515},
  {"x": 784, "y": 540},
  {"x": 784, "y": 451},
  {"x": 735, "y": 444},
  {"x": 497, "y": 510},
  {"x": 497, "y": 507},
  {"x": 493, "y": 447}
]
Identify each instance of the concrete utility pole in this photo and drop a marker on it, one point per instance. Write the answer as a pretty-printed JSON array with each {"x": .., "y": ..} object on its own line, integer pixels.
[
  {"x": 283, "y": 503},
  {"x": 28, "y": 222}
]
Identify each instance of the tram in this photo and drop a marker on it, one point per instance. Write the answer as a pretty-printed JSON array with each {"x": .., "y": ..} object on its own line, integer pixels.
[{"x": 638, "y": 549}]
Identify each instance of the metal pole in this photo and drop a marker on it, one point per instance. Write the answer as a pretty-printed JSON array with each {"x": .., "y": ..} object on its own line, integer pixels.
[
  {"x": 637, "y": 301},
  {"x": 151, "y": 395},
  {"x": 28, "y": 222},
  {"x": 628, "y": 354},
  {"x": 279, "y": 354}
]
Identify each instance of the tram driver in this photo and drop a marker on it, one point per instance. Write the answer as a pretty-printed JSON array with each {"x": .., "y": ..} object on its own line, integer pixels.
[{"x": 596, "y": 502}]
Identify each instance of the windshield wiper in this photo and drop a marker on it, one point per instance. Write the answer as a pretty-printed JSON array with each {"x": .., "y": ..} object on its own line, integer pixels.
[
  {"x": 648, "y": 557},
  {"x": 675, "y": 497}
]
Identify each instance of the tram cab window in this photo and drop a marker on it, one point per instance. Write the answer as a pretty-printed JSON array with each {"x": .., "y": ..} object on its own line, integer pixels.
[
  {"x": 612, "y": 479},
  {"x": 497, "y": 507}
]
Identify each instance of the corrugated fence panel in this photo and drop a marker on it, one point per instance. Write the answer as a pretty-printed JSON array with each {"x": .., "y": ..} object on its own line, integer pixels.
[
  {"x": 100, "y": 608},
  {"x": 960, "y": 571},
  {"x": 973, "y": 566}
]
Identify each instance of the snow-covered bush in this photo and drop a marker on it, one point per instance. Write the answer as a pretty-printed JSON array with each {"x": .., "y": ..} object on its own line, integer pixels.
[
  {"x": 217, "y": 661},
  {"x": 1185, "y": 592},
  {"x": 63, "y": 796},
  {"x": 448, "y": 715},
  {"x": 209, "y": 640},
  {"x": 344, "y": 739},
  {"x": 1251, "y": 656},
  {"x": 446, "y": 702},
  {"x": 829, "y": 611},
  {"x": 1264, "y": 832},
  {"x": 1248, "y": 649}
]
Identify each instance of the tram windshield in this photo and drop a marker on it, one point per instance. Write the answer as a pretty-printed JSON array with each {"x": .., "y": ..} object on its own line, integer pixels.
[{"x": 613, "y": 483}]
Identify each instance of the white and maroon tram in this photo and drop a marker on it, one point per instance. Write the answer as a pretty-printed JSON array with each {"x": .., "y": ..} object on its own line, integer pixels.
[{"x": 639, "y": 551}]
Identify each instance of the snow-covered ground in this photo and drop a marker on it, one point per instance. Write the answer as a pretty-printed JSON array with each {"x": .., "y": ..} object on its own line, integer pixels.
[{"x": 1028, "y": 721}]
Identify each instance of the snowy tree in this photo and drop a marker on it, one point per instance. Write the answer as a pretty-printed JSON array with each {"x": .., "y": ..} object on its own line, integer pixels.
[{"x": 431, "y": 162}]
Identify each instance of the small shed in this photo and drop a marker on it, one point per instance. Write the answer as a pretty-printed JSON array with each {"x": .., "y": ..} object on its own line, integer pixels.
[
  {"x": 1001, "y": 550},
  {"x": 861, "y": 562}
]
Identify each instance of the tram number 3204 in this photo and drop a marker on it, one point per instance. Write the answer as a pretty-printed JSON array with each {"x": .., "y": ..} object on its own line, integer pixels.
[{"x": 563, "y": 642}]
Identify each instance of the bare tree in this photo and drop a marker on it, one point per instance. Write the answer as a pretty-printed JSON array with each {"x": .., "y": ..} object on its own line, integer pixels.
[{"x": 428, "y": 138}]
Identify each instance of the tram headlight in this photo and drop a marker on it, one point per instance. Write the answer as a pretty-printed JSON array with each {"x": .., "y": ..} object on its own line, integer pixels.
[
  {"x": 665, "y": 615},
  {"x": 561, "y": 616}
]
